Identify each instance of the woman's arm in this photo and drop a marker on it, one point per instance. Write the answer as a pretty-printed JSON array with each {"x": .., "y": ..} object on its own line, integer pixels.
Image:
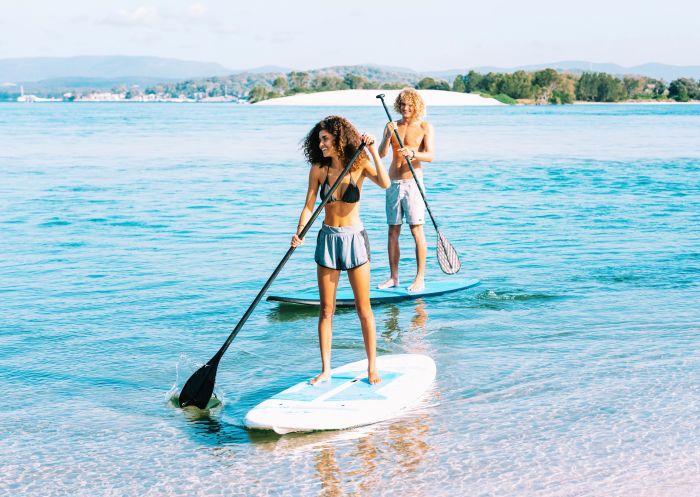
[
  {"x": 375, "y": 172},
  {"x": 311, "y": 193},
  {"x": 386, "y": 138}
]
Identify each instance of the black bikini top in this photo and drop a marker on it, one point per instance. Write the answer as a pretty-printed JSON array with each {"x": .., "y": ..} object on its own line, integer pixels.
[{"x": 351, "y": 194}]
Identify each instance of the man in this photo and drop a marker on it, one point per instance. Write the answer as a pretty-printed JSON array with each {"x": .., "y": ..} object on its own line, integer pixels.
[{"x": 403, "y": 199}]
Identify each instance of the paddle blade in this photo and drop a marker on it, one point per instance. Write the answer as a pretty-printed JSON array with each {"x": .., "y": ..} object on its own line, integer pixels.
[
  {"x": 199, "y": 388},
  {"x": 447, "y": 255}
]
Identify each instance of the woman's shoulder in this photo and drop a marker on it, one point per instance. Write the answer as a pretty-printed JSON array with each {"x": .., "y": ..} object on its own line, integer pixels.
[{"x": 315, "y": 169}]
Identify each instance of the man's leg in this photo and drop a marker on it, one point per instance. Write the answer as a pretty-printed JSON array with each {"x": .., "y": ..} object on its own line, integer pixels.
[
  {"x": 394, "y": 256},
  {"x": 421, "y": 252},
  {"x": 394, "y": 218},
  {"x": 415, "y": 208}
]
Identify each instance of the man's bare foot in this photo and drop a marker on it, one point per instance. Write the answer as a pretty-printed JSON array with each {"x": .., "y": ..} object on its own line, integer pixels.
[
  {"x": 373, "y": 377},
  {"x": 417, "y": 285},
  {"x": 324, "y": 376},
  {"x": 390, "y": 283}
]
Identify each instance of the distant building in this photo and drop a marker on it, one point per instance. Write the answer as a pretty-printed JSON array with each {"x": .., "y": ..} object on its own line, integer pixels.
[{"x": 33, "y": 98}]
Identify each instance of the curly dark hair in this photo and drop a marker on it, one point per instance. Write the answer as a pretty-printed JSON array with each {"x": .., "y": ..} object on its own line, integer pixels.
[{"x": 347, "y": 141}]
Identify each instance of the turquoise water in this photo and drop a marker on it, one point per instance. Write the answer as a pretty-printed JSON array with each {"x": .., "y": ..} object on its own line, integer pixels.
[{"x": 135, "y": 236}]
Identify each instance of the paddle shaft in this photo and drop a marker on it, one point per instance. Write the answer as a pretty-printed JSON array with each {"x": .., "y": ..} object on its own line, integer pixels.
[
  {"x": 410, "y": 166},
  {"x": 286, "y": 257}
]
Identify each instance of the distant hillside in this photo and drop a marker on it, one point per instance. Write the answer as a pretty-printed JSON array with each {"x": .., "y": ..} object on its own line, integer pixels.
[
  {"x": 326, "y": 78},
  {"x": 107, "y": 67},
  {"x": 659, "y": 71},
  {"x": 174, "y": 78},
  {"x": 379, "y": 74},
  {"x": 58, "y": 86},
  {"x": 265, "y": 69}
]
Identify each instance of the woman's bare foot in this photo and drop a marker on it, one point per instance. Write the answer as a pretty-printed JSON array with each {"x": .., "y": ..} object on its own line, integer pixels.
[
  {"x": 390, "y": 283},
  {"x": 324, "y": 376},
  {"x": 417, "y": 285},
  {"x": 373, "y": 377}
]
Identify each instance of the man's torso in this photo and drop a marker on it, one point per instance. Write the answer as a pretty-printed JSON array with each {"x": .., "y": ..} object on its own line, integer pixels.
[{"x": 412, "y": 136}]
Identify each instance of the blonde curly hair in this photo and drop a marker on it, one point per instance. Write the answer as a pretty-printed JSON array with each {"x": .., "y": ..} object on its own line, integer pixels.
[{"x": 410, "y": 96}]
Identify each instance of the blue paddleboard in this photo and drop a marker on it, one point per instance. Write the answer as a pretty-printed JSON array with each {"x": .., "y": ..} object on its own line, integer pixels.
[{"x": 345, "y": 298}]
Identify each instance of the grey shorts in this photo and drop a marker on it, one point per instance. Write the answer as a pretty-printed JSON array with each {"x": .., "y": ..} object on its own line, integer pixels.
[
  {"x": 342, "y": 248},
  {"x": 403, "y": 199}
]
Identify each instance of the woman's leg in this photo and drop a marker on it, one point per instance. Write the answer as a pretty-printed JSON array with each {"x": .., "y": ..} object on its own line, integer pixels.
[
  {"x": 327, "y": 286},
  {"x": 359, "y": 281}
]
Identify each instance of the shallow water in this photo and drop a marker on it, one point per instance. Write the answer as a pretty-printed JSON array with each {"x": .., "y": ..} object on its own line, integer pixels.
[{"x": 135, "y": 236}]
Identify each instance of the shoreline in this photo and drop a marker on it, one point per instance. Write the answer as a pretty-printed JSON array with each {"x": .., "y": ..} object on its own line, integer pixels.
[
  {"x": 367, "y": 98},
  {"x": 344, "y": 103}
]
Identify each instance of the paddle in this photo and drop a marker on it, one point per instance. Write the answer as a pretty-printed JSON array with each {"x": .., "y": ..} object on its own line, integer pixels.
[
  {"x": 447, "y": 255},
  {"x": 198, "y": 389}
]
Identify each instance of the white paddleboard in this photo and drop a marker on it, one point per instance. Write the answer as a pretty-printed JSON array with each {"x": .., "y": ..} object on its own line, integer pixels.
[{"x": 347, "y": 399}]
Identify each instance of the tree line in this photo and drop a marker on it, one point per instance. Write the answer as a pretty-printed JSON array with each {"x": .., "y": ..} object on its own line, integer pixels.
[
  {"x": 541, "y": 87},
  {"x": 550, "y": 86},
  {"x": 301, "y": 82}
]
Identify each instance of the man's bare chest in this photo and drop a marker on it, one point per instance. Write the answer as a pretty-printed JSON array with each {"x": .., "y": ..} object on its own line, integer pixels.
[{"x": 411, "y": 136}]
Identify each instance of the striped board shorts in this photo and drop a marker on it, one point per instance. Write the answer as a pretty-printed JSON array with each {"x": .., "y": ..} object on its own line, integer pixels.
[
  {"x": 342, "y": 248},
  {"x": 403, "y": 199}
]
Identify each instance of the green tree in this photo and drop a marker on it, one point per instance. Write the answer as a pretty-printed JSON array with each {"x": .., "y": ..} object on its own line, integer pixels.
[
  {"x": 659, "y": 88},
  {"x": 491, "y": 82},
  {"x": 610, "y": 89},
  {"x": 355, "y": 82},
  {"x": 280, "y": 84},
  {"x": 599, "y": 87},
  {"x": 429, "y": 83},
  {"x": 257, "y": 93},
  {"x": 441, "y": 85},
  {"x": 458, "y": 84},
  {"x": 585, "y": 88},
  {"x": 560, "y": 97},
  {"x": 545, "y": 78},
  {"x": 516, "y": 85},
  {"x": 299, "y": 80},
  {"x": 472, "y": 82},
  {"x": 683, "y": 89},
  {"x": 633, "y": 85},
  {"x": 426, "y": 83},
  {"x": 328, "y": 83}
]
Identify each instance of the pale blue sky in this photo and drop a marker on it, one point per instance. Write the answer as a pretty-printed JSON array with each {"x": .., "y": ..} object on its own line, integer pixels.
[{"x": 422, "y": 35}]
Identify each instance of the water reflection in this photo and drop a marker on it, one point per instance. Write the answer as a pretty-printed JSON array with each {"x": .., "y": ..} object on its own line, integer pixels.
[
  {"x": 420, "y": 317},
  {"x": 360, "y": 461},
  {"x": 398, "y": 449},
  {"x": 329, "y": 472},
  {"x": 207, "y": 428},
  {"x": 284, "y": 313},
  {"x": 392, "y": 327}
]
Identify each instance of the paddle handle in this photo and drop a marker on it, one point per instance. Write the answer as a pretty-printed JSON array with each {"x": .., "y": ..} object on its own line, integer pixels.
[
  {"x": 286, "y": 257},
  {"x": 408, "y": 161}
]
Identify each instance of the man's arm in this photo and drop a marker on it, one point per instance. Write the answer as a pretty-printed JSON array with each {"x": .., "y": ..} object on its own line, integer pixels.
[{"x": 426, "y": 155}]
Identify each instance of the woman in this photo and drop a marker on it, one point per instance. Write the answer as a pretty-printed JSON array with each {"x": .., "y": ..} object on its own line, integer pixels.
[{"x": 342, "y": 243}]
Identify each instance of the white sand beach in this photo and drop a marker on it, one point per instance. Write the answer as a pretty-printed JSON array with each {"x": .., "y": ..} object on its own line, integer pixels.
[{"x": 356, "y": 98}]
